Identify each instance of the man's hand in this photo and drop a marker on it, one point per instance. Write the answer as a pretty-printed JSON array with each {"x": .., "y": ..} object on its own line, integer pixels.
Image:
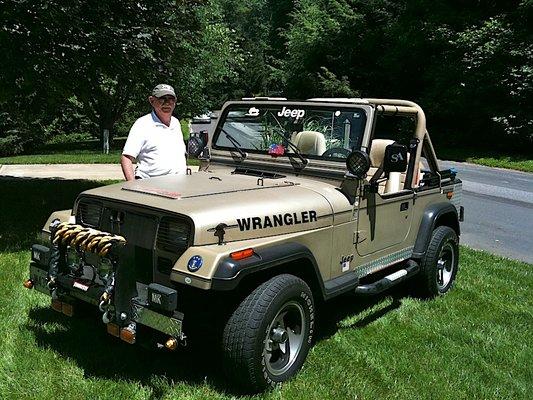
[{"x": 126, "y": 162}]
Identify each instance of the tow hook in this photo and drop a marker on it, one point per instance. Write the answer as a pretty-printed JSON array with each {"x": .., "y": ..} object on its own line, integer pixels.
[
  {"x": 106, "y": 317},
  {"x": 51, "y": 284},
  {"x": 104, "y": 302}
]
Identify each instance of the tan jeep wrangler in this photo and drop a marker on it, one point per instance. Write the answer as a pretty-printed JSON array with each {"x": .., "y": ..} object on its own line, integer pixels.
[{"x": 295, "y": 202}]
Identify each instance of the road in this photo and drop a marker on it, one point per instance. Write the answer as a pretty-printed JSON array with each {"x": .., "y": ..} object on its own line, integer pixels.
[{"x": 498, "y": 210}]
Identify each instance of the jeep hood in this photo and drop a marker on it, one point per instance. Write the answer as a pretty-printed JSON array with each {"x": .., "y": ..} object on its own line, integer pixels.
[{"x": 248, "y": 207}]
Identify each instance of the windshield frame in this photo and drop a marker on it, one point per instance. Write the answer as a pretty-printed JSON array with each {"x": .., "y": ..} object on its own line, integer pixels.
[{"x": 366, "y": 109}]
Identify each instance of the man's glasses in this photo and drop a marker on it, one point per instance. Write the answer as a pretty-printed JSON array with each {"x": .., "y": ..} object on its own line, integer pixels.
[{"x": 166, "y": 99}]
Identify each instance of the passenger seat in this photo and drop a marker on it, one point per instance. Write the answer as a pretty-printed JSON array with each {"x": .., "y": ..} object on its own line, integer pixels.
[{"x": 310, "y": 142}]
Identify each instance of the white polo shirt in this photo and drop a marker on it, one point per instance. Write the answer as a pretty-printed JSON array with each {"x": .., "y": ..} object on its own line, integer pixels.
[{"x": 159, "y": 149}]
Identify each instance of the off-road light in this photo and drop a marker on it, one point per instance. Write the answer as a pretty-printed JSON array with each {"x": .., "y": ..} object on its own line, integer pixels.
[
  {"x": 113, "y": 329},
  {"x": 171, "y": 344},
  {"x": 358, "y": 163},
  {"x": 28, "y": 284},
  {"x": 128, "y": 335},
  {"x": 239, "y": 255}
]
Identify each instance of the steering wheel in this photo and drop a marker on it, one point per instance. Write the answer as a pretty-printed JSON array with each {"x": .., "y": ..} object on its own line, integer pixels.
[{"x": 338, "y": 152}]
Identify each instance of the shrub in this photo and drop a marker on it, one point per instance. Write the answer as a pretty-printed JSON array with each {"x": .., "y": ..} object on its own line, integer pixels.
[{"x": 10, "y": 145}]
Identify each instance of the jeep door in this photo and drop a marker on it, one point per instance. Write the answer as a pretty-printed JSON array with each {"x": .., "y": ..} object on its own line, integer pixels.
[{"x": 384, "y": 220}]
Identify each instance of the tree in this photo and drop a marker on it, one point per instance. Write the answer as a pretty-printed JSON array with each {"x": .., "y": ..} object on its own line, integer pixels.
[
  {"x": 497, "y": 74},
  {"x": 103, "y": 56}
]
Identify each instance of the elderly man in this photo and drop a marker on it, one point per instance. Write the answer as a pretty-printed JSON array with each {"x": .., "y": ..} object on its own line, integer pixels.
[{"x": 155, "y": 140}]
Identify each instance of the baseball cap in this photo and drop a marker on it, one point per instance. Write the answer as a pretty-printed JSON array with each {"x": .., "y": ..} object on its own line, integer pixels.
[{"x": 162, "y": 90}]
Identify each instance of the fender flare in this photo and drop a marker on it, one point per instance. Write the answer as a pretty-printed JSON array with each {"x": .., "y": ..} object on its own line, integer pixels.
[
  {"x": 230, "y": 272},
  {"x": 432, "y": 214}
]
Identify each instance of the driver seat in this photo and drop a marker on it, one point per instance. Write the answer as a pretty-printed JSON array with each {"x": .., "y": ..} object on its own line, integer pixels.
[{"x": 310, "y": 142}]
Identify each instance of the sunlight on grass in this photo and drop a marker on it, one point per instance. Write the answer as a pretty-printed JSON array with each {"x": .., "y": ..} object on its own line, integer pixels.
[
  {"x": 516, "y": 162},
  {"x": 504, "y": 162},
  {"x": 77, "y": 157}
]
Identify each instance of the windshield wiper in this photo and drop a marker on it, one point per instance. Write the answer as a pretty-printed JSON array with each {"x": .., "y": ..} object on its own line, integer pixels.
[
  {"x": 295, "y": 165},
  {"x": 235, "y": 144},
  {"x": 298, "y": 153}
]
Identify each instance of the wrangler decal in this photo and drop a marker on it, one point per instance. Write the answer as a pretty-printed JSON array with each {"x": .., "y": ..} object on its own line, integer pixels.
[{"x": 303, "y": 217}]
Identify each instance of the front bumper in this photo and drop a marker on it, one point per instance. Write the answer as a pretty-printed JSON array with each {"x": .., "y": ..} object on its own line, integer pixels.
[{"x": 128, "y": 305}]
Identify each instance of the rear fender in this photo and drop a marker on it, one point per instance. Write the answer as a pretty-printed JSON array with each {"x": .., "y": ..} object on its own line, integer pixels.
[{"x": 435, "y": 215}]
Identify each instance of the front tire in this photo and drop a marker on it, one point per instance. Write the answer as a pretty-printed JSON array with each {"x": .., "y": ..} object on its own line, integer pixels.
[
  {"x": 267, "y": 338},
  {"x": 440, "y": 264}
]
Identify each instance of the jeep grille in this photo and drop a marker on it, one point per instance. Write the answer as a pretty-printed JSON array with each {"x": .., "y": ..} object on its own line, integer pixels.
[
  {"x": 173, "y": 235},
  {"x": 89, "y": 213}
]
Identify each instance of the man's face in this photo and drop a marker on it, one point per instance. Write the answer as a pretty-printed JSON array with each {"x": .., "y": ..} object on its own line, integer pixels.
[{"x": 163, "y": 105}]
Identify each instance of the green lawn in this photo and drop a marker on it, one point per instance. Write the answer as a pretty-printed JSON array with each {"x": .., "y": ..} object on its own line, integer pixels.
[
  {"x": 503, "y": 162},
  {"x": 475, "y": 342},
  {"x": 70, "y": 157},
  {"x": 516, "y": 162},
  {"x": 87, "y": 152}
]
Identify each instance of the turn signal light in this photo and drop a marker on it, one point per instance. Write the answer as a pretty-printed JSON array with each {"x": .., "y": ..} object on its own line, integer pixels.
[
  {"x": 56, "y": 305},
  {"x": 239, "y": 255},
  {"x": 171, "y": 344},
  {"x": 113, "y": 329},
  {"x": 67, "y": 309},
  {"x": 128, "y": 335},
  {"x": 449, "y": 195},
  {"x": 28, "y": 284}
]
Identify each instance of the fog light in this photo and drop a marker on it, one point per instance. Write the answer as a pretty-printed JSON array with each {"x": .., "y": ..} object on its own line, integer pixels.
[
  {"x": 128, "y": 335},
  {"x": 113, "y": 329},
  {"x": 28, "y": 284},
  {"x": 56, "y": 305},
  {"x": 171, "y": 344}
]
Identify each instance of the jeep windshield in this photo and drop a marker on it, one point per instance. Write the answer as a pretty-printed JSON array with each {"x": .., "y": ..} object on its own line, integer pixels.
[{"x": 283, "y": 130}]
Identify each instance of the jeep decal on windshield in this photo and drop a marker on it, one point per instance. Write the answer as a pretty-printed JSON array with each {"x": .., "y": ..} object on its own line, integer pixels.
[
  {"x": 287, "y": 219},
  {"x": 294, "y": 113}
]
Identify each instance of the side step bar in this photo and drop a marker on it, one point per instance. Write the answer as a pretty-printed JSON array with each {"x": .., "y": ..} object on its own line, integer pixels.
[{"x": 389, "y": 281}]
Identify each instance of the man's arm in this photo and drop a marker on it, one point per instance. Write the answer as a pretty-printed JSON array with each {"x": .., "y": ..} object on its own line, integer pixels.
[{"x": 126, "y": 162}]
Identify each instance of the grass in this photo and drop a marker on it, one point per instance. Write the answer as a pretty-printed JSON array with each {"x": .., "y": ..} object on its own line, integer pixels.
[
  {"x": 70, "y": 157},
  {"x": 504, "y": 162},
  {"x": 87, "y": 152},
  {"x": 475, "y": 342},
  {"x": 516, "y": 162}
]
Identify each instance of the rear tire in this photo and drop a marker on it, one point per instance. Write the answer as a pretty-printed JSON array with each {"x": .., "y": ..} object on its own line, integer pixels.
[
  {"x": 440, "y": 264},
  {"x": 267, "y": 338}
]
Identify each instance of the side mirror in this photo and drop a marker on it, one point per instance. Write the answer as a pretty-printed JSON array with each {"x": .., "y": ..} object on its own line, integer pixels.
[
  {"x": 358, "y": 163},
  {"x": 395, "y": 159},
  {"x": 197, "y": 143}
]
